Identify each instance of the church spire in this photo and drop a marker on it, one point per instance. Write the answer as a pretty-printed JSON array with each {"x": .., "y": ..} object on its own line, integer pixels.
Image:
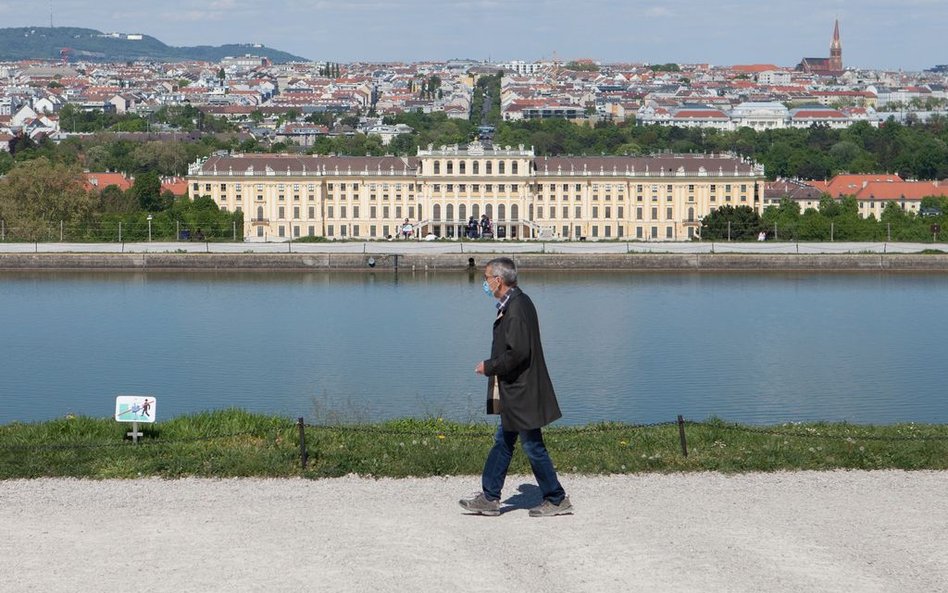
[{"x": 836, "y": 51}]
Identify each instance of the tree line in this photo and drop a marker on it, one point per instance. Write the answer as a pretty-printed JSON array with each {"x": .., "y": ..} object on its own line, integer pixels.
[
  {"x": 44, "y": 200},
  {"x": 833, "y": 220}
]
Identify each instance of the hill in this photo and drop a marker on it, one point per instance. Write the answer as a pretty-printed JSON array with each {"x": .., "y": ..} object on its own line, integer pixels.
[{"x": 46, "y": 43}]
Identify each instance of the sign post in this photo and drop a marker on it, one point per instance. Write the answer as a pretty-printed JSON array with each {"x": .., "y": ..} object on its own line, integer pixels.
[{"x": 135, "y": 409}]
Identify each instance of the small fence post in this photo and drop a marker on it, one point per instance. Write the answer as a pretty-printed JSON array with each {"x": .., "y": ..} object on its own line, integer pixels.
[
  {"x": 3, "y": 230},
  {"x": 60, "y": 231},
  {"x": 681, "y": 435},
  {"x": 303, "y": 455}
]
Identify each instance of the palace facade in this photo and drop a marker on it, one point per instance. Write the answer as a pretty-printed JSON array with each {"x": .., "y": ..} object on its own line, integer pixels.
[{"x": 655, "y": 198}]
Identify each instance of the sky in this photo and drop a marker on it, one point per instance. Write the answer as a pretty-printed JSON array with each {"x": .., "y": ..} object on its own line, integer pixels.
[{"x": 882, "y": 34}]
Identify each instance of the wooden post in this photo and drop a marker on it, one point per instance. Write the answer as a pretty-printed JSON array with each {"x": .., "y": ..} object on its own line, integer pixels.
[
  {"x": 681, "y": 435},
  {"x": 303, "y": 455}
]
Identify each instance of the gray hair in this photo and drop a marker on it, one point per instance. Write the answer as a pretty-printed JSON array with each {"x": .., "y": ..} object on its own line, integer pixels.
[{"x": 505, "y": 268}]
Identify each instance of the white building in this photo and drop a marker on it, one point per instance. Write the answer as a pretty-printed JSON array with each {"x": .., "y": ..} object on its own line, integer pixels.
[
  {"x": 522, "y": 68},
  {"x": 774, "y": 78},
  {"x": 760, "y": 115}
]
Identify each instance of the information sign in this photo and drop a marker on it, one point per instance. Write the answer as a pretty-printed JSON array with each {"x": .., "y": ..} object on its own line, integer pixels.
[{"x": 136, "y": 408}]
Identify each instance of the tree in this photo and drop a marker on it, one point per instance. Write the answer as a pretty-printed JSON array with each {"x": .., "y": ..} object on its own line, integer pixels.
[
  {"x": 20, "y": 143},
  {"x": 783, "y": 219},
  {"x": 147, "y": 190},
  {"x": 165, "y": 158},
  {"x": 731, "y": 223},
  {"x": 112, "y": 200},
  {"x": 37, "y": 195}
]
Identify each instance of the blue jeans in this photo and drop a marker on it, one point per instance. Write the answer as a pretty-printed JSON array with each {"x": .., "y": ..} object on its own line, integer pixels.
[{"x": 498, "y": 460}]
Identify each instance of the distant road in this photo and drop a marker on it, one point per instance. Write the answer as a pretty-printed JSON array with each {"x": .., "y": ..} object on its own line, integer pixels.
[{"x": 453, "y": 247}]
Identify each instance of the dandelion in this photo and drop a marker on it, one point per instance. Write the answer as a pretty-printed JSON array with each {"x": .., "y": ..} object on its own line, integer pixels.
[
  {"x": 812, "y": 450},
  {"x": 441, "y": 436},
  {"x": 623, "y": 443},
  {"x": 862, "y": 448},
  {"x": 623, "y": 468}
]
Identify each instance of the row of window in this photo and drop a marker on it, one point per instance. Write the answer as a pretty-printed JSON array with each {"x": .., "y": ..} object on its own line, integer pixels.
[
  {"x": 596, "y": 231},
  {"x": 476, "y": 168},
  {"x": 311, "y": 187},
  {"x": 411, "y": 187},
  {"x": 475, "y": 187},
  {"x": 343, "y": 212},
  {"x": 386, "y": 211}
]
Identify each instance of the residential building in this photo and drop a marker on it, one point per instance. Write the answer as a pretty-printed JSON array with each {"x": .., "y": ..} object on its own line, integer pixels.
[{"x": 874, "y": 191}]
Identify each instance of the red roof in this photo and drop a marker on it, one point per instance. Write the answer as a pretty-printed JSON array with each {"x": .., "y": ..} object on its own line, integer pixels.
[
  {"x": 754, "y": 67},
  {"x": 849, "y": 185},
  {"x": 879, "y": 187},
  {"x": 819, "y": 114},
  {"x": 99, "y": 181},
  {"x": 908, "y": 190},
  {"x": 176, "y": 185},
  {"x": 700, "y": 114}
]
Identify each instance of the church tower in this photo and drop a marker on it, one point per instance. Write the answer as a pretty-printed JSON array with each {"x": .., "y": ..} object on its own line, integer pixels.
[{"x": 836, "y": 51}]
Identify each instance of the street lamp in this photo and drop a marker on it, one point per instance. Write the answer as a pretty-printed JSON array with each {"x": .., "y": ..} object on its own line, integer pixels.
[{"x": 149, "y": 227}]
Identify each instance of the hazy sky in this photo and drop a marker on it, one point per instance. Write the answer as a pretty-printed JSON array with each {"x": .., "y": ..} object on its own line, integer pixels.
[{"x": 906, "y": 34}]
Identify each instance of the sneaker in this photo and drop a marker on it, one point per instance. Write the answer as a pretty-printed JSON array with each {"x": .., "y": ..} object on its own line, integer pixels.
[
  {"x": 548, "y": 509},
  {"x": 479, "y": 504}
]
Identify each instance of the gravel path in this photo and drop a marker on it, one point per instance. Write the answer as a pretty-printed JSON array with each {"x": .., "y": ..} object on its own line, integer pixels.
[{"x": 809, "y": 531}]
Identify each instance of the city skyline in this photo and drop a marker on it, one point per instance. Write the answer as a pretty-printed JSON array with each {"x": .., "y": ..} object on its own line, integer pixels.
[{"x": 875, "y": 34}]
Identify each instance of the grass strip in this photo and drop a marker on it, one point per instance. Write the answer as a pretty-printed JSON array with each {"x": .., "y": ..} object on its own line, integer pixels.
[{"x": 235, "y": 443}]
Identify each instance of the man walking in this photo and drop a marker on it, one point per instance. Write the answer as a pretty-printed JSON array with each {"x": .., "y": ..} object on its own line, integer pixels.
[{"x": 520, "y": 390}]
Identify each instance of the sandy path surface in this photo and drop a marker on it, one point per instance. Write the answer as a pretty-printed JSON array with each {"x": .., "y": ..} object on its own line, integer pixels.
[{"x": 809, "y": 531}]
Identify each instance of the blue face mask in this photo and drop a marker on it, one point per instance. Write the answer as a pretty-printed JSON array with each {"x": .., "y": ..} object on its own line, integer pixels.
[{"x": 487, "y": 289}]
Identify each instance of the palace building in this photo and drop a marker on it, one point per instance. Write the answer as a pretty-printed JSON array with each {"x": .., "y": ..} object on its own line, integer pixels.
[{"x": 655, "y": 198}]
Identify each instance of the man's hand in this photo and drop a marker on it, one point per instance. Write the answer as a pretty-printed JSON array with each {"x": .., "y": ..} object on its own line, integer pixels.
[{"x": 479, "y": 369}]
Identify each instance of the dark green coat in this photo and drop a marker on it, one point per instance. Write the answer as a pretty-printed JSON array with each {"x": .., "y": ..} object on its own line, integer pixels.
[{"x": 516, "y": 359}]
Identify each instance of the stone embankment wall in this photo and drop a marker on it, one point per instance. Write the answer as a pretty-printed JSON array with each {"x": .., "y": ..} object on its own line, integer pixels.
[{"x": 408, "y": 262}]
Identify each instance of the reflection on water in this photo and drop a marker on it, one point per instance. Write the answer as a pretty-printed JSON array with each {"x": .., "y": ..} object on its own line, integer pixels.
[{"x": 632, "y": 347}]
